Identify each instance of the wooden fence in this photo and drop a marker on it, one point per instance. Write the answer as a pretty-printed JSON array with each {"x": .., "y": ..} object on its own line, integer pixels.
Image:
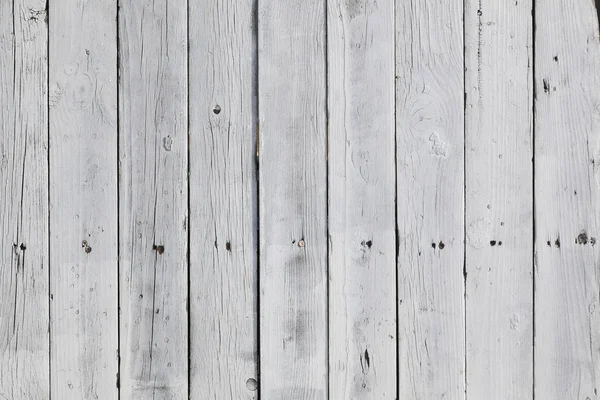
[{"x": 299, "y": 200}]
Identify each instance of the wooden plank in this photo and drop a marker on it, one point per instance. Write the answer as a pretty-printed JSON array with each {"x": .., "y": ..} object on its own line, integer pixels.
[
  {"x": 292, "y": 200},
  {"x": 153, "y": 200},
  {"x": 499, "y": 199},
  {"x": 24, "y": 313},
  {"x": 430, "y": 170},
  {"x": 223, "y": 199},
  {"x": 362, "y": 238},
  {"x": 567, "y": 200},
  {"x": 83, "y": 199}
]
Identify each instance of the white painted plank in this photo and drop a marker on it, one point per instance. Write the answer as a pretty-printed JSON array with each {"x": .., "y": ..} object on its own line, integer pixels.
[
  {"x": 24, "y": 351},
  {"x": 362, "y": 231},
  {"x": 499, "y": 199},
  {"x": 292, "y": 200},
  {"x": 430, "y": 160},
  {"x": 83, "y": 199},
  {"x": 223, "y": 199},
  {"x": 567, "y": 200},
  {"x": 153, "y": 200}
]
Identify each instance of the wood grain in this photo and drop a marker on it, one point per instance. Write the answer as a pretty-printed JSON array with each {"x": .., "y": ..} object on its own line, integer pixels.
[
  {"x": 430, "y": 186},
  {"x": 83, "y": 199},
  {"x": 567, "y": 200},
  {"x": 499, "y": 200},
  {"x": 24, "y": 313},
  {"x": 153, "y": 211},
  {"x": 293, "y": 202},
  {"x": 362, "y": 238},
  {"x": 223, "y": 201}
]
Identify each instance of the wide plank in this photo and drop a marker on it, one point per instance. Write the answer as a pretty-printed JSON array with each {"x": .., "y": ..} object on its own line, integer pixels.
[
  {"x": 83, "y": 199},
  {"x": 223, "y": 201},
  {"x": 567, "y": 200},
  {"x": 292, "y": 199},
  {"x": 24, "y": 263},
  {"x": 153, "y": 146},
  {"x": 430, "y": 199},
  {"x": 499, "y": 199},
  {"x": 362, "y": 215}
]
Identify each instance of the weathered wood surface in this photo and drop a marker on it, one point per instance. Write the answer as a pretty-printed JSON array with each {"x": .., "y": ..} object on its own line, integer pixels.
[
  {"x": 357, "y": 206},
  {"x": 292, "y": 199},
  {"x": 223, "y": 201},
  {"x": 362, "y": 237},
  {"x": 153, "y": 200},
  {"x": 83, "y": 199},
  {"x": 499, "y": 199},
  {"x": 430, "y": 171},
  {"x": 24, "y": 352},
  {"x": 567, "y": 200}
]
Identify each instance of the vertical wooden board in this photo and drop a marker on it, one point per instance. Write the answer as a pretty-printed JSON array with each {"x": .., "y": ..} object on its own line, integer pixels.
[
  {"x": 567, "y": 200},
  {"x": 153, "y": 200},
  {"x": 83, "y": 199},
  {"x": 292, "y": 200},
  {"x": 362, "y": 237},
  {"x": 499, "y": 199},
  {"x": 223, "y": 199},
  {"x": 430, "y": 191},
  {"x": 24, "y": 351}
]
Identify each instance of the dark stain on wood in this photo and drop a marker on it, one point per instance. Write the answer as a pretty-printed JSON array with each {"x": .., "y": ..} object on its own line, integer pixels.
[{"x": 597, "y": 4}]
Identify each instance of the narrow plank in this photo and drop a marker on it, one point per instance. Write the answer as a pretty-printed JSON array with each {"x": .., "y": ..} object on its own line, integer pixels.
[
  {"x": 430, "y": 198},
  {"x": 83, "y": 199},
  {"x": 499, "y": 199},
  {"x": 153, "y": 200},
  {"x": 223, "y": 199},
  {"x": 24, "y": 313},
  {"x": 567, "y": 200},
  {"x": 292, "y": 200},
  {"x": 362, "y": 237}
]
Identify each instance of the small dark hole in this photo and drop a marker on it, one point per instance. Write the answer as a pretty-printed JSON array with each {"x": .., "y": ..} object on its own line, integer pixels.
[
  {"x": 217, "y": 109},
  {"x": 433, "y": 245},
  {"x": 23, "y": 247},
  {"x": 548, "y": 243},
  {"x": 228, "y": 246},
  {"x": 557, "y": 243},
  {"x": 369, "y": 243},
  {"x": 141, "y": 296},
  {"x": 492, "y": 242},
  {"x": 441, "y": 245},
  {"x": 500, "y": 243}
]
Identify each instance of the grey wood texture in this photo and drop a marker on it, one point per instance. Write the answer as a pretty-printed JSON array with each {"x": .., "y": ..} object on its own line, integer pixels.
[
  {"x": 292, "y": 199},
  {"x": 499, "y": 199},
  {"x": 361, "y": 164},
  {"x": 24, "y": 257},
  {"x": 430, "y": 186},
  {"x": 223, "y": 200},
  {"x": 83, "y": 199},
  {"x": 567, "y": 179},
  {"x": 327, "y": 199},
  {"x": 153, "y": 150}
]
